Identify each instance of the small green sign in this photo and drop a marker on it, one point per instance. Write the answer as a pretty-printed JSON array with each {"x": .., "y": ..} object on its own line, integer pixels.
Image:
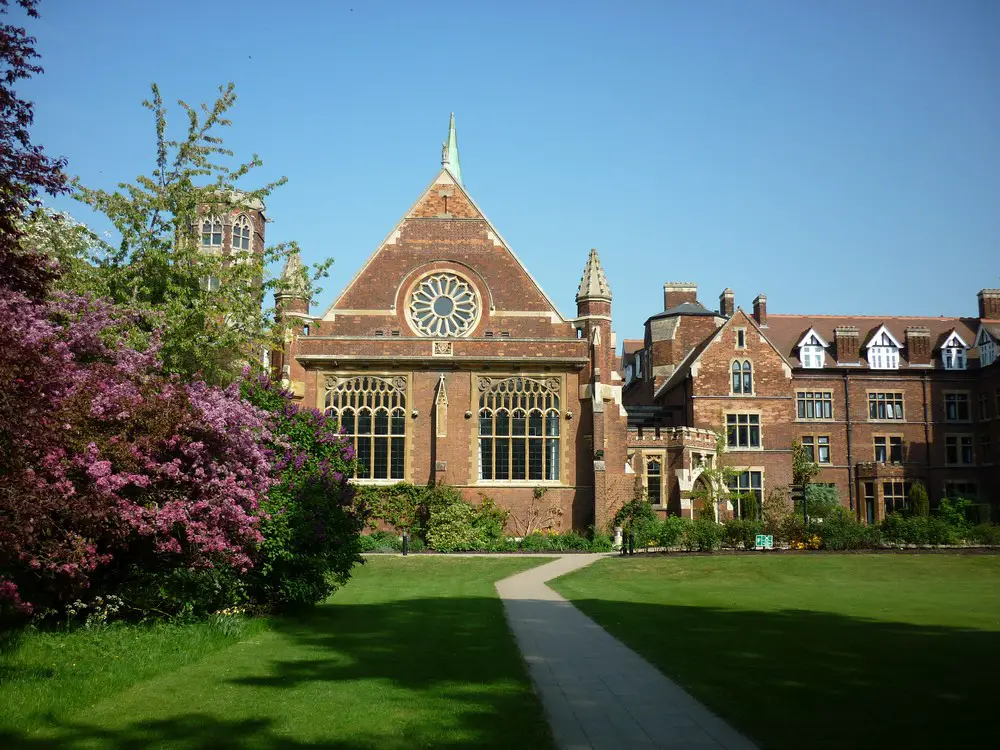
[{"x": 765, "y": 541}]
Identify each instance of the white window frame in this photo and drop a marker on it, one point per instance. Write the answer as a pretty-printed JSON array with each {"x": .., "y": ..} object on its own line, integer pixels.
[
  {"x": 812, "y": 350},
  {"x": 987, "y": 347},
  {"x": 883, "y": 350},
  {"x": 953, "y": 355},
  {"x": 242, "y": 221},
  {"x": 213, "y": 223}
]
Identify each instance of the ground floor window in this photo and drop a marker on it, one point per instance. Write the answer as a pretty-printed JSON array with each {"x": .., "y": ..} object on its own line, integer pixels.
[
  {"x": 653, "y": 478},
  {"x": 895, "y": 496},
  {"x": 746, "y": 487},
  {"x": 371, "y": 412},
  {"x": 965, "y": 490},
  {"x": 519, "y": 429}
]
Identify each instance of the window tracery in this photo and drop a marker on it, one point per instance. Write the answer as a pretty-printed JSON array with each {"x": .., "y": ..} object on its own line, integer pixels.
[
  {"x": 519, "y": 429},
  {"x": 371, "y": 412}
]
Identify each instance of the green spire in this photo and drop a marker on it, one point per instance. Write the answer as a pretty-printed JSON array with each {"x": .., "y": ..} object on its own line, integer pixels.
[{"x": 449, "y": 152}]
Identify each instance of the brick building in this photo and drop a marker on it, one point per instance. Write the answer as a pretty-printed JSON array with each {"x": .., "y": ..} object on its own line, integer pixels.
[
  {"x": 878, "y": 402},
  {"x": 446, "y": 362}
]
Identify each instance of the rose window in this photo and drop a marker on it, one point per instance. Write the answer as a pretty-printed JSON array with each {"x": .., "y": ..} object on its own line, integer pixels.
[{"x": 443, "y": 305}]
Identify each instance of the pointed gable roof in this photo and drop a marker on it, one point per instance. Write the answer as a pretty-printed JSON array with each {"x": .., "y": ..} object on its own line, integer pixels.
[
  {"x": 444, "y": 198},
  {"x": 954, "y": 339},
  {"x": 293, "y": 282},
  {"x": 879, "y": 337},
  {"x": 593, "y": 284},
  {"x": 809, "y": 335},
  {"x": 449, "y": 152}
]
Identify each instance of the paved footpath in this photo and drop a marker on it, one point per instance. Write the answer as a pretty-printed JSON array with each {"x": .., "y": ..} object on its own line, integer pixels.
[{"x": 597, "y": 692}]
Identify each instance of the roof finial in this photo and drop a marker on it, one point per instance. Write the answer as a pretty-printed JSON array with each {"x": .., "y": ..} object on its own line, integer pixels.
[{"x": 449, "y": 152}]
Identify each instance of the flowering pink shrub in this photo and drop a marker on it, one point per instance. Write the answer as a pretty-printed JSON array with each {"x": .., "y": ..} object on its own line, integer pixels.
[{"x": 107, "y": 466}]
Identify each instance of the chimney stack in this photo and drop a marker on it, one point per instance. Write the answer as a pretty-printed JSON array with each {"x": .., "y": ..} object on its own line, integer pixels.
[
  {"x": 918, "y": 345},
  {"x": 989, "y": 304},
  {"x": 760, "y": 310},
  {"x": 678, "y": 292},
  {"x": 846, "y": 339},
  {"x": 727, "y": 303}
]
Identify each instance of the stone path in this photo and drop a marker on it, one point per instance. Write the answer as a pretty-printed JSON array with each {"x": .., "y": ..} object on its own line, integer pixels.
[{"x": 596, "y": 691}]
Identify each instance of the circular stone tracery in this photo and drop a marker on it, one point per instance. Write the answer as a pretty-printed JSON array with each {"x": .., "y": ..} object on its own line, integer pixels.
[{"x": 443, "y": 305}]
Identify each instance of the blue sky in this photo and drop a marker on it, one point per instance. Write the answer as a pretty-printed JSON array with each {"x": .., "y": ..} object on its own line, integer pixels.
[{"x": 841, "y": 157}]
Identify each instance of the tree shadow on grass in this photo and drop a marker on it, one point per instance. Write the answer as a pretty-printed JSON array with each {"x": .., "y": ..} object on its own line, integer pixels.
[
  {"x": 796, "y": 678},
  {"x": 441, "y": 672}
]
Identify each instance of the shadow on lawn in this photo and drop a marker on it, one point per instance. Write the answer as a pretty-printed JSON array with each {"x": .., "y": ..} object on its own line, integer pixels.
[
  {"x": 789, "y": 679},
  {"x": 469, "y": 688},
  {"x": 796, "y": 678}
]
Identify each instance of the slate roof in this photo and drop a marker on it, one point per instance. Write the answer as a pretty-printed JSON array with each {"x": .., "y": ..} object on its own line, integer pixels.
[{"x": 785, "y": 332}]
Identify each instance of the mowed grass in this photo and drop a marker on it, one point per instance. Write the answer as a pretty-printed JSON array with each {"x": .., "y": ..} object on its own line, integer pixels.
[
  {"x": 414, "y": 653},
  {"x": 824, "y": 651}
]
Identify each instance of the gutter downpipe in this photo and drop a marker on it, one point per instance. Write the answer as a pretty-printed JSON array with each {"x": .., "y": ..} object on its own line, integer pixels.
[{"x": 850, "y": 457}]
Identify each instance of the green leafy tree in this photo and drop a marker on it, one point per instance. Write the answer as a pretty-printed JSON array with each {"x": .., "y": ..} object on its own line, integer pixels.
[
  {"x": 716, "y": 480},
  {"x": 803, "y": 469},
  {"x": 158, "y": 267}
]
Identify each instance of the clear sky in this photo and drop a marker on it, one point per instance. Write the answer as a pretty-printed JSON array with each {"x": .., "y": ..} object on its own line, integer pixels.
[{"x": 839, "y": 156}]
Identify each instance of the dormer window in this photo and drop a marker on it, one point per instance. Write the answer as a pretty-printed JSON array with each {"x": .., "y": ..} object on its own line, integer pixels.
[
  {"x": 812, "y": 350},
  {"x": 638, "y": 365},
  {"x": 953, "y": 352},
  {"x": 883, "y": 351},
  {"x": 987, "y": 347},
  {"x": 628, "y": 374}
]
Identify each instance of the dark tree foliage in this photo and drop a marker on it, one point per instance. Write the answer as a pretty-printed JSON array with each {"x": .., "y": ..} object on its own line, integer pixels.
[{"x": 25, "y": 170}]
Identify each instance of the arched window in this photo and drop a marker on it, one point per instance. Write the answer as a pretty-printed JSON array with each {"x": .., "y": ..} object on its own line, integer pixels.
[
  {"x": 519, "y": 429},
  {"x": 211, "y": 233},
  {"x": 654, "y": 480},
  {"x": 371, "y": 411},
  {"x": 242, "y": 234},
  {"x": 742, "y": 377}
]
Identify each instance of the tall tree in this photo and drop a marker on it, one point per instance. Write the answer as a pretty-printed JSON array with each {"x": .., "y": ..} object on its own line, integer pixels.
[
  {"x": 25, "y": 170},
  {"x": 160, "y": 269}
]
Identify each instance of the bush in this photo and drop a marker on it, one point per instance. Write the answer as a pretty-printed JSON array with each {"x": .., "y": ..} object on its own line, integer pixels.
[
  {"x": 900, "y": 529},
  {"x": 671, "y": 531},
  {"x": 382, "y": 541},
  {"x": 536, "y": 542},
  {"x": 821, "y": 501},
  {"x": 633, "y": 515},
  {"x": 742, "y": 533},
  {"x": 984, "y": 533},
  {"x": 953, "y": 512},
  {"x": 842, "y": 531},
  {"x": 310, "y": 524},
  {"x": 453, "y": 529},
  {"x": 601, "y": 542},
  {"x": 702, "y": 534}
]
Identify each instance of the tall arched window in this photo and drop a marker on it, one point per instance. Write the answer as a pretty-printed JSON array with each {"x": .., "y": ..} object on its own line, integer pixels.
[
  {"x": 372, "y": 412},
  {"x": 519, "y": 429},
  {"x": 242, "y": 233},
  {"x": 211, "y": 233},
  {"x": 742, "y": 377}
]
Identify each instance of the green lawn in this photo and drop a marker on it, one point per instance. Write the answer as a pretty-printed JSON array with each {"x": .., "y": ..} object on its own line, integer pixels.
[
  {"x": 817, "y": 651},
  {"x": 415, "y": 652}
]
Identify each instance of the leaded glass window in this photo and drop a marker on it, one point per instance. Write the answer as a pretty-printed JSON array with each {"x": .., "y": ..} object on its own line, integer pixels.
[
  {"x": 519, "y": 429},
  {"x": 242, "y": 233},
  {"x": 371, "y": 411}
]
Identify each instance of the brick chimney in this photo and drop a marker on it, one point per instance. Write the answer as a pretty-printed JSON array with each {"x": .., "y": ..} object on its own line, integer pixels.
[
  {"x": 678, "y": 292},
  {"x": 989, "y": 304},
  {"x": 727, "y": 303},
  {"x": 760, "y": 310},
  {"x": 846, "y": 340},
  {"x": 918, "y": 345}
]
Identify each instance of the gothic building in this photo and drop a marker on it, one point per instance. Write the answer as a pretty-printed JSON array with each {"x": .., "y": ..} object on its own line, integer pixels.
[{"x": 445, "y": 361}]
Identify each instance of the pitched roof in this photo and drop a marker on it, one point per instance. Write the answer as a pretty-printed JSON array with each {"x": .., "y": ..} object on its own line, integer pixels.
[
  {"x": 629, "y": 346},
  {"x": 685, "y": 308},
  {"x": 785, "y": 331},
  {"x": 593, "y": 283}
]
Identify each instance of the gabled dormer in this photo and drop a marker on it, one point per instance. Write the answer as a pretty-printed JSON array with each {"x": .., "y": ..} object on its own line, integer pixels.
[
  {"x": 986, "y": 342},
  {"x": 812, "y": 350},
  {"x": 953, "y": 352},
  {"x": 883, "y": 350}
]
